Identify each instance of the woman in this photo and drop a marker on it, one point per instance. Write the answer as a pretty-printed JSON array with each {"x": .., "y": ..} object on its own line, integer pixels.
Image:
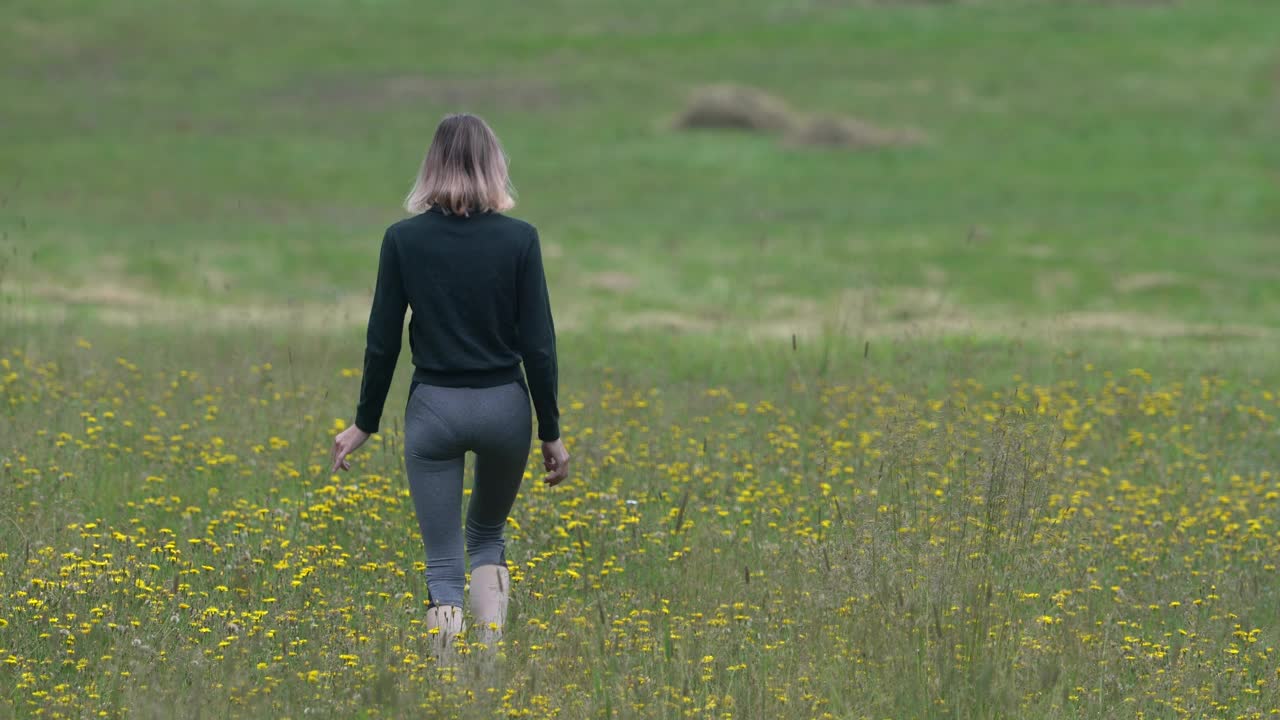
[{"x": 475, "y": 282}]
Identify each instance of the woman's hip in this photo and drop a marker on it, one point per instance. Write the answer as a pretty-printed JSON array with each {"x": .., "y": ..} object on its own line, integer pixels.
[{"x": 469, "y": 416}]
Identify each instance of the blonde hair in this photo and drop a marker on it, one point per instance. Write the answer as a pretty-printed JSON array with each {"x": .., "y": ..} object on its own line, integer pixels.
[{"x": 464, "y": 171}]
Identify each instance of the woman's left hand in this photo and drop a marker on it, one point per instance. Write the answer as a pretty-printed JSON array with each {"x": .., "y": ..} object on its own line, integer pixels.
[{"x": 347, "y": 442}]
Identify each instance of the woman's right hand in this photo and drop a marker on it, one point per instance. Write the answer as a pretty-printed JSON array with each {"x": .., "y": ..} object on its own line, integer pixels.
[
  {"x": 556, "y": 460},
  {"x": 347, "y": 442}
]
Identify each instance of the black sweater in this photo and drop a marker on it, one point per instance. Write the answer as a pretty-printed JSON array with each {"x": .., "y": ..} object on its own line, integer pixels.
[{"x": 480, "y": 306}]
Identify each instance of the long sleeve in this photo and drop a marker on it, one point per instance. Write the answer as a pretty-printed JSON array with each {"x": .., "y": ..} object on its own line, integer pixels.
[
  {"x": 382, "y": 345},
  {"x": 537, "y": 334}
]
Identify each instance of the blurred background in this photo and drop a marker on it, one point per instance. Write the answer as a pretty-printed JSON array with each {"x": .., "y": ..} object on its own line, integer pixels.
[{"x": 1003, "y": 168}]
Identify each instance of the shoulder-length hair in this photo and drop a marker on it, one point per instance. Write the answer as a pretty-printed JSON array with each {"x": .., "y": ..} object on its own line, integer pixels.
[{"x": 464, "y": 171}]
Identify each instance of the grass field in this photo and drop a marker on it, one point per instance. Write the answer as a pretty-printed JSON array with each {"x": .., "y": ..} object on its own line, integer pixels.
[{"x": 979, "y": 427}]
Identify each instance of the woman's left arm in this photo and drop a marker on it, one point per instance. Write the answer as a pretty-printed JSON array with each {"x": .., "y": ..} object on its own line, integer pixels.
[{"x": 382, "y": 349}]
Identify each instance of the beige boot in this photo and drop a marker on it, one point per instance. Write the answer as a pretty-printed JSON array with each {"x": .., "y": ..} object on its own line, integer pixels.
[
  {"x": 446, "y": 621},
  {"x": 489, "y": 594}
]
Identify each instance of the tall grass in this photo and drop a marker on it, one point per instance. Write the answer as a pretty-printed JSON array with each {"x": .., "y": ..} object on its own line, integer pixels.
[{"x": 1099, "y": 545}]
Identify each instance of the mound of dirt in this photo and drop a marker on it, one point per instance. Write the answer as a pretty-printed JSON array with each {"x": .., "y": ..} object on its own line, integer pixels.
[
  {"x": 838, "y": 131},
  {"x": 735, "y": 107},
  {"x": 738, "y": 107}
]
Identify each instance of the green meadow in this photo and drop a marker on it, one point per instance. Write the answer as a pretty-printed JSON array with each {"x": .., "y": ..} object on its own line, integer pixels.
[{"x": 979, "y": 425}]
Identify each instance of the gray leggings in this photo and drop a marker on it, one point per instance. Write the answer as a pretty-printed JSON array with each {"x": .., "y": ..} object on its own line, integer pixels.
[{"x": 441, "y": 424}]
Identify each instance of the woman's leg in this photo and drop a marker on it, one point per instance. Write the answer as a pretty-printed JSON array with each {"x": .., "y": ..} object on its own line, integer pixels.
[
  {"x": 497, "y": 483},
  {"x": 501, "y": 460},
  {"x": 502, "y": 453},
  {"x": 434, "y": 459}
]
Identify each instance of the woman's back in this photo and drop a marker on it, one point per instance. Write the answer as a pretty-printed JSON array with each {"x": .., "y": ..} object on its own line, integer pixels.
[
  {"x": 480, "y": 305},
  {"x": 462, "y": 276}
]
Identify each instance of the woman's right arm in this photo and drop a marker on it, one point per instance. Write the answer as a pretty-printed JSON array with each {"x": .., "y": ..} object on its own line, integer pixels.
[
  {"x": 538, "y": 341},
  {"x": 538, "y": 351}
]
